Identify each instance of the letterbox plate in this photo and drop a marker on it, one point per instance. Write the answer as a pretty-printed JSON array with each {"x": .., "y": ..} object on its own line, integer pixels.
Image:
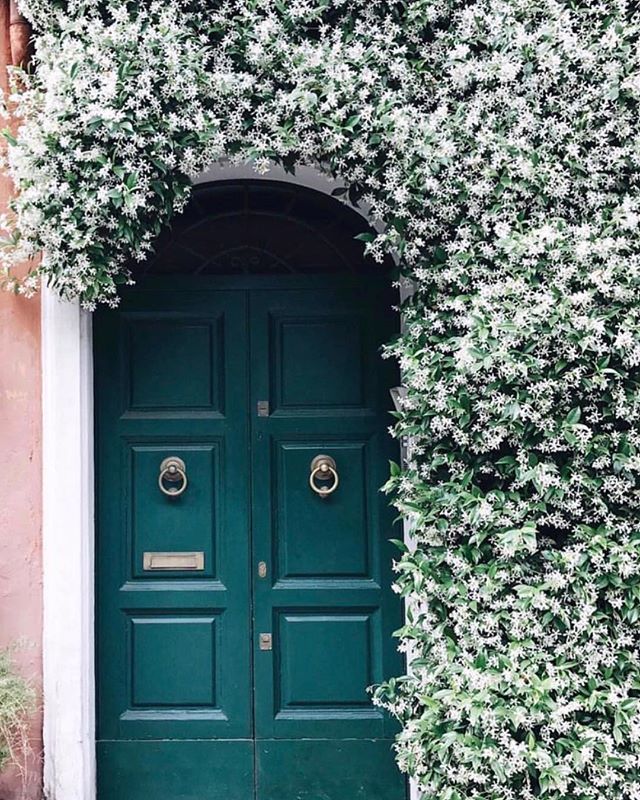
[{"x": 177, "y": 562}]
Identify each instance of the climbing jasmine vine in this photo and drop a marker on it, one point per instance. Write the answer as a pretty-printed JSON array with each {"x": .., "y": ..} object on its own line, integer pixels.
[{"x": 498, "y": 144}]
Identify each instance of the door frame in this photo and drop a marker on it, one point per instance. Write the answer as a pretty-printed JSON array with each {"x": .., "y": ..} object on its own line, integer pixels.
[{"x": 68, "y": 526}]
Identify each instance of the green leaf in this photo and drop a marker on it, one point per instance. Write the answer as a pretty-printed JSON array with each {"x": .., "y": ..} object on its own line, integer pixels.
[{"x": 573, "y": 416}]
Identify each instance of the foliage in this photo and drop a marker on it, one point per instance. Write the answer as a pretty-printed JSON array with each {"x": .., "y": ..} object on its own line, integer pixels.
[
  {"x": 17, "y": 702},
  {"x": 498, "y": 140}
]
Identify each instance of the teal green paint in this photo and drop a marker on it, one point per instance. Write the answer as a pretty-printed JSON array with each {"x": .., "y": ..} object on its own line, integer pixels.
[
  {"x": 176, "y": 770},
  {"x": 188, "y": 704},
  {"x": 327, "y": 770}
]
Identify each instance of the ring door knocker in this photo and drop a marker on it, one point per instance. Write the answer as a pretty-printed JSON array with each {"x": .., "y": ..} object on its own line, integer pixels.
[
  {"x": 172, "y": 471},
  {"x": 323, "y": 468}
]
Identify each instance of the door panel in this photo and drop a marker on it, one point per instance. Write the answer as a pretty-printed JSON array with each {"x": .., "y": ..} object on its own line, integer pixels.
[
  {"x": 191, "y": 522},
  {"x": 325, "y": 598},
  {"x": 304, "y": 640},
  {"x": 308, "y": 537},
  {"x": 173, "y": 659},
  {"x": 211, "y": 769},
  {"x": 246, "y": 386},
  {"x": 316, "y": 361},
  {"x": 174, "y": 656},
  {"x": 320, "y": 769},
  {"x": 194, "y": 349}
]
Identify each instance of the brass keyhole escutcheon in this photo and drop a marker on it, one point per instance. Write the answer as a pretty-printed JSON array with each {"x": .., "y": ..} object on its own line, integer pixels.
[
  {"x": 173, "y": 472},
  {"x": 323, "y": 469}
]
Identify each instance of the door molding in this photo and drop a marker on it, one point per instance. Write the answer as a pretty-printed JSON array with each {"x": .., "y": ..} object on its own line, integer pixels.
[
  {"x": 68, "y": 527},
  {"x": 67, "y": 534}
]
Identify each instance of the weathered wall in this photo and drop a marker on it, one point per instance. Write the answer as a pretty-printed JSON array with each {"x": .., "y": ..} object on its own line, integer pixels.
[
  {"x": 20, "y": 484},
  {"x": 20, "y": 506}
]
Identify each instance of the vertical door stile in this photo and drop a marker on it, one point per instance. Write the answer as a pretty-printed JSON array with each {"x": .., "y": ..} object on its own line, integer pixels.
[{"x": 261, "y": 488}]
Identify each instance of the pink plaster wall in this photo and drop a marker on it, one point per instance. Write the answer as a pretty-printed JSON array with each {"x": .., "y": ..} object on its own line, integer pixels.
[
  {"x": 20, "y": 490},
  {"x": 20, "y": 507}
]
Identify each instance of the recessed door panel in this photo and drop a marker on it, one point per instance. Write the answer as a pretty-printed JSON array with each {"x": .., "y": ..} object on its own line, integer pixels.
[
  {"x": 309, "y": 352},
  {"x": 174, "y": 363},
  {"x": 186, "y": 523},
  {"x": 325, "y": 661},
  {"x": 173, "y": 661},
  {"x": 316, "y": 537}
]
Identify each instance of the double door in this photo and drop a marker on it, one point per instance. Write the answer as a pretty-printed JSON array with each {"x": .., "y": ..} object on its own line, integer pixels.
[{"x": 243, "y": 562}]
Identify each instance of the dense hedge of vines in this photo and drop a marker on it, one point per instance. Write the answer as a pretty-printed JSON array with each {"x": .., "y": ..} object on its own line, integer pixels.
[{"x": 499, "y": 143}]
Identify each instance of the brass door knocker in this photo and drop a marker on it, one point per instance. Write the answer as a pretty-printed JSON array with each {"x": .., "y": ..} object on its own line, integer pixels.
[
  {"x": 323, "y": 468},
  {"x": 172, "y": 471}
]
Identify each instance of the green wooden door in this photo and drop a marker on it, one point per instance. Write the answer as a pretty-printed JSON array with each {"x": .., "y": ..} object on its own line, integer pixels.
[{"x": 239, "y": 668}]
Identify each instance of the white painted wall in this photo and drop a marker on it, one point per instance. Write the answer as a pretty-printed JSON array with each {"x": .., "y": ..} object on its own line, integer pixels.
[{"x": 67, "y": 400}]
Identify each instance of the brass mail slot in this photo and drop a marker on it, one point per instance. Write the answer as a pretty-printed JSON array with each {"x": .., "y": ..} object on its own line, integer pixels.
[{"x": 173, "y": 561}]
